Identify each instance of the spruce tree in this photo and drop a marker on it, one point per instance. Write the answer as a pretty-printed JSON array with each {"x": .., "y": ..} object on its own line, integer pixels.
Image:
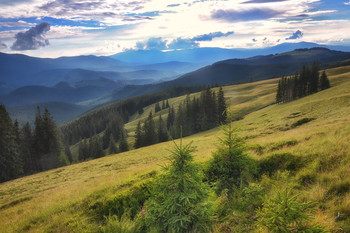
[
  {"x": 222, "y": 107},
  {"x": 149, "y": 131},
  {"x": 314, "y": 78},
  {"x": 178, "y": 201},
  {"x": 167, "y": 104},
  {"x": 279, "y": 92},
  {"x": 27, "y": 149},
  {"x": 161, "y": 130},
  {"x": 112, "y": 149},
  {"x": 11, "y": 165},
  {"x": 123, "y": 144},
  {"x": 156, "y": 107},
  {"x": 324, "y": 81},
  {"x": 171, "y": 118},
  {"x": 138, "y": 136},
  {"x": 230, "y": 166}
]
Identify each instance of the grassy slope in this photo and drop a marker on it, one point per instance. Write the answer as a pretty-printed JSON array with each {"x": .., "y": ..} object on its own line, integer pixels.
[{"x": 57, "y": 200}]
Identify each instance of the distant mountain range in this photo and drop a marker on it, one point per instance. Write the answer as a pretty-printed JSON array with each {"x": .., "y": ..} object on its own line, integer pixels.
[
  {"x": 85, "y": 82},
  {"x": 233, "y": 71},
  {"x": 206, "y": 56}
]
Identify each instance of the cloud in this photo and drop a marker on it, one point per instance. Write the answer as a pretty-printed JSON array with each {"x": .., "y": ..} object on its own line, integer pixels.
[
  {"x": 296, "y": 35},
  {"x": 183, "y": 43},
  {"x": 347, "y": 3},
  {"x": 245, "y": 15},
  {"x": 264, "y": 1},
  {"x": 152, "y": 44},
  {"x": 173, "y": 5},
  {"x": 254, "y": 40},
  {"x": 2, "y": 45},
  {"x": 13, "y": 2},
  {"x": 32, "y": 39},
  {"x": 210, "y": 36}
]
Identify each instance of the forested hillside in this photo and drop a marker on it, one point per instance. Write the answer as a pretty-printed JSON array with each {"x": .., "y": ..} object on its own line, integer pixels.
[{"x": 286, "y": 159}]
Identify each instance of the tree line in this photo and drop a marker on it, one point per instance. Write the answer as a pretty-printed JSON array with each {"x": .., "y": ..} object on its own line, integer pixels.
[
  {"x": 25, "y": 151},
  {"x": 98, "y": 120},
  {"x": 192, "y": 116},
  {"x": 306, "y": 82}
]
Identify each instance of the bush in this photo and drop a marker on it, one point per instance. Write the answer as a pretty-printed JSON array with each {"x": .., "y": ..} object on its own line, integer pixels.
[
  {"x": 178, "y": 201},
  {"x": 230, "y": 167},
  {"x": 301, "y": 122},
  {"x": 280, "y": 161},
  {"x": 124, "y": 225},
  {"x": 129, "y": 202},
  {"x": 339, "y": 189},
  {"x": 284, "y": 213}
]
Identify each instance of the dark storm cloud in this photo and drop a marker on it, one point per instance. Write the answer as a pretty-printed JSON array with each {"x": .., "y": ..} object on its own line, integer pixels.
[
  {"x": 32, "y": 39},
  {"x": 296, "y": 35},
  {"x": 245, "y": 15},
  {"x": 210, "y": 36}
]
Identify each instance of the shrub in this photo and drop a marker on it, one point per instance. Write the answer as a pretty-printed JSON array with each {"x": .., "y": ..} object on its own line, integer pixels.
[
  {"x": 339, "y": 189},
  {"x": 301, "y": 122},
  {"x": 129, "y": 202},
  {"x": 178, "y": 201},
  {"x": 230, "y": 166},
  {"x": 280, "y": 161},
  {"x": 123, "y": 225},
  {"x": 284, "y": 213}
]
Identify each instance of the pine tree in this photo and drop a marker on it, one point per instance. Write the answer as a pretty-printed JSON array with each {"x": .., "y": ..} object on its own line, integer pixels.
[
  {"x": 161, "y": 130},
  {"x": 163, "y": 105},
  {"x": 167, "y": 104},
  {"x": 324, "y": 81},
  {"x": 149, "y": 131},
  {"x": 83, "y": 151},
  {"x": 178, "y": 201},
  {"x": 138, "y": 136},
  {"x": 314, "y": 78},
  {"x": 279, "y": 92},
  {"x": 123, "y": 144},
  {"x": 171, "y": 118},
  {"x": 222, "y": 107},
  {"x": 11, "y": 165},
  {"x": 38, "y": 144},
  {"x": 112, "y": 149},
  {"x": 156, "y": 108},
  {"x": 230, "y": 166},
  {"x": 27, "y": 150}
]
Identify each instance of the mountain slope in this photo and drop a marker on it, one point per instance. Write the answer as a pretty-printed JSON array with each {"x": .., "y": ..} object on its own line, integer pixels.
[
  {"x": 65, "y": 199},
  {"x": 62, "y": 92},
  {"x": 19, "y": 69},
  {"x": 60, "y": 111},
  {"x": 235, "y": 71}
]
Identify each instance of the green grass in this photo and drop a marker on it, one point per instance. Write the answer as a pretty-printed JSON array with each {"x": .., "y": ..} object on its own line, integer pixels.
[{"x": 60, "y": 200}]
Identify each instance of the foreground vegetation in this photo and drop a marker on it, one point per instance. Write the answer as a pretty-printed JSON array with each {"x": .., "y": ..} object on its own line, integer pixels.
[{"x": 300, "y": 148}]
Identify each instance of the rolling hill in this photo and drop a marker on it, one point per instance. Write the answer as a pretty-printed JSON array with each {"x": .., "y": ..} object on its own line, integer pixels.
[
  {"x": 235, "y": 71},
  {"x": 60, "y": 111},
  {"x": 316, "y": 164}
]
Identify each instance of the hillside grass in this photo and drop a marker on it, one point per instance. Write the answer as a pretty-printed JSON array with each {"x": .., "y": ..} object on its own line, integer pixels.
[{"x": 314, "y": 129}]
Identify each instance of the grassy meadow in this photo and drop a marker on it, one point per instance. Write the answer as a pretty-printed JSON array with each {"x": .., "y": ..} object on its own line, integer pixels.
[{"x": 314, "y": 133}]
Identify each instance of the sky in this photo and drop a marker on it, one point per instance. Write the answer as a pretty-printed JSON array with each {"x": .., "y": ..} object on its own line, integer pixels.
[{"x": 54, "y": 28}]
